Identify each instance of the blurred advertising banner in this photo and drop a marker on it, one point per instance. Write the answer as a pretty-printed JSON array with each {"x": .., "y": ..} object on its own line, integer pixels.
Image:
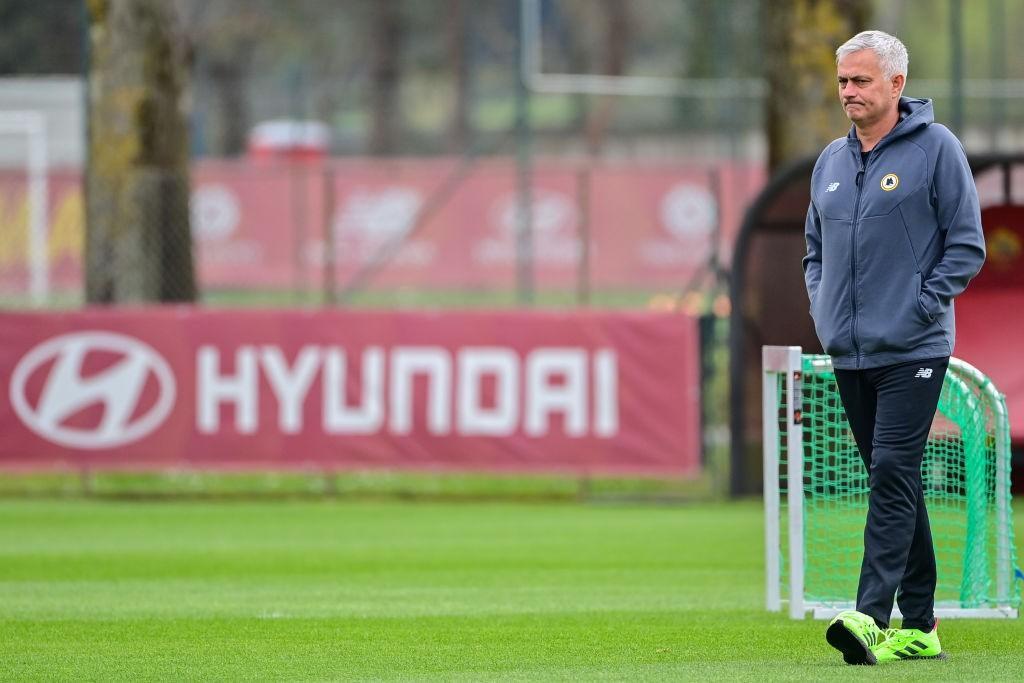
[
  {"x": 501, "y": 391},
  {"x": 440, "y": 223},
  {"x": 63, "y": 224}
]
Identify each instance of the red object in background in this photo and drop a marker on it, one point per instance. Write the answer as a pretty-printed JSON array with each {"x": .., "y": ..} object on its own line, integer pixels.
[
  {"x": 646, "y": 225},
  {"x": 261, "y": 224},
  {"x": 989, "y": 327},
  {"x": 502, "y": 391},
  {"x": 289, "y": 140},
  {"x": 988, "y": 335},
  {"x": 1004, "y": 245}
]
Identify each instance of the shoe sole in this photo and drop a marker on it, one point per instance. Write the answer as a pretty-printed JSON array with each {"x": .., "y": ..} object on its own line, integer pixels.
[
  {"x": 941, "y": 655},
  {"x": 853, "y": 648}
]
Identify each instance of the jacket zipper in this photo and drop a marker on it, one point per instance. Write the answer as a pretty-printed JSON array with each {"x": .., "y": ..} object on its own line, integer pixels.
[
  {"x": 862, "y": 165},
  {"x": 853, "y": 253}
]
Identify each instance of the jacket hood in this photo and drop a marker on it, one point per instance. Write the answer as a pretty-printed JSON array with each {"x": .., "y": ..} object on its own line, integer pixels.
[{"x": 914, "y": 114}]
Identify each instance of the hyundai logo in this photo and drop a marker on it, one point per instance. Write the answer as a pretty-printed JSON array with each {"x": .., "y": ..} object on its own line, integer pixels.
[{"x": 66, "y": 390}]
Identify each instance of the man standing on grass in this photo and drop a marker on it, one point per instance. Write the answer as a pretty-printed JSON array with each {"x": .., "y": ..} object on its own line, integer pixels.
[{"x": 893, "y": 235}]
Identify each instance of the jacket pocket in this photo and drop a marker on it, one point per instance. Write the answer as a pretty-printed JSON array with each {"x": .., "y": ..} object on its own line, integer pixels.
[
  {"x": 926, "y": 317},
  {"x": 830, "y": 310},
  {"x": 892, "y": 317}
]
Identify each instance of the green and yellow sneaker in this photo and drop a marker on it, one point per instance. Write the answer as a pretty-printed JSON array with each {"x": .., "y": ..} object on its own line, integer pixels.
[
  {"x": 908, "y": 643},
  {"x": 854, "y": 634}
]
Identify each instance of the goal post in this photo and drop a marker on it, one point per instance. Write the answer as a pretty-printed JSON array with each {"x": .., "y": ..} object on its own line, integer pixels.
[
  {"x": 32, "y": 126},
  {"x": 816, "y": 492}
]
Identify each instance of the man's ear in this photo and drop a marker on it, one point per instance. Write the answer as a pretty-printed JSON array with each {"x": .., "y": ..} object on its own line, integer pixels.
[{"x": 898, "y": 81}]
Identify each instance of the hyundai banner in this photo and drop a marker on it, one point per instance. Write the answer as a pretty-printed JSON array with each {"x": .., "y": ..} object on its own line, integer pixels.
[{"x": 499, "y": 391}]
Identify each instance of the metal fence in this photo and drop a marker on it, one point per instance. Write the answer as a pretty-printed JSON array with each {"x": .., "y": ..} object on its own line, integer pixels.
[
  {"x": 383, "y": 152},
  {"x": 434, "y": 232}
]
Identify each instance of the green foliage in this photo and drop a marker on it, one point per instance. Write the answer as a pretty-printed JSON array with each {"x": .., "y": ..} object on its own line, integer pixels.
[{"x": 42, "y": 38}]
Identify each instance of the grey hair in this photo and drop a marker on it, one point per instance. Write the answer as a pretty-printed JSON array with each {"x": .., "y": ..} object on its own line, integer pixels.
[{"x": 892, "y": 54}]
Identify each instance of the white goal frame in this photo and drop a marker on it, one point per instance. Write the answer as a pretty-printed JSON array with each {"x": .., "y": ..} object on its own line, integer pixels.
[
  {"x": 787, "y": 360},
  {"x": 531, "y": 62},
  {"x": 32, "y": 124}
]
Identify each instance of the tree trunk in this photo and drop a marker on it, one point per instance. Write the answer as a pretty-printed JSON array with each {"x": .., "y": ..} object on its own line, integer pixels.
[
  {"x": 138, "y": 243},
  {"x": 801, "y": 36},
  {"x": 387, "y": 39}
]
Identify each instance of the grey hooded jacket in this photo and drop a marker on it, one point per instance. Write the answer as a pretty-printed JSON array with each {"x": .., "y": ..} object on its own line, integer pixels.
[{"x": 891, "y": 242}]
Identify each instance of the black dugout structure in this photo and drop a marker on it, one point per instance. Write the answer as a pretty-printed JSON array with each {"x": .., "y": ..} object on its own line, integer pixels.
[{"x": 769, "y": 300}]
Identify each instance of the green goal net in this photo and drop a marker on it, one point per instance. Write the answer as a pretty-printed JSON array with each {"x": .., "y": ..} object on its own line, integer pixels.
[{"x": 816, "y": 492}]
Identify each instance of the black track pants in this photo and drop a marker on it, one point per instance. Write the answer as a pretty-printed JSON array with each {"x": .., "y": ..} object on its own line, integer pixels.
[{"x": 890, "y": 410}]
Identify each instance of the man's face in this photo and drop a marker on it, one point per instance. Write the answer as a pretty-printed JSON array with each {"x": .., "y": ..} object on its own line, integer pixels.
[{"x": 866, "y": 95}]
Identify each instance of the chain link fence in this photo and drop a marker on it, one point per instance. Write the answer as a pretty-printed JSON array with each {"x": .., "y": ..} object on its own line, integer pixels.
[{"x": 382, "y": 153}]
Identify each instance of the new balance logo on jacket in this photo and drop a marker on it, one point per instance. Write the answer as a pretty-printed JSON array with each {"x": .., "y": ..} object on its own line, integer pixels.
[{"x": 924, "y": 373}]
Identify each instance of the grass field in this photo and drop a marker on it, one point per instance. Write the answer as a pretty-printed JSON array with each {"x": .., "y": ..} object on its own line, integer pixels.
[{"x": 331, "y": 590}]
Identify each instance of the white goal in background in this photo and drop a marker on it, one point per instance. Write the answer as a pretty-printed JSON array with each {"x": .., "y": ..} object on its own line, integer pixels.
[
  {"x": 30, "y": 126},
  {"x": 816, "y": 493}
]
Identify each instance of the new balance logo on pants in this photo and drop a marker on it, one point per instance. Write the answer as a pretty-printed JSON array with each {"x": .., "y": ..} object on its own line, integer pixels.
[{"x": 924, "y": 373}]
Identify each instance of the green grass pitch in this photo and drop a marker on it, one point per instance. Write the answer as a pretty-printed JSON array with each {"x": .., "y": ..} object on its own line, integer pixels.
[{"x": 328, "y": 590}]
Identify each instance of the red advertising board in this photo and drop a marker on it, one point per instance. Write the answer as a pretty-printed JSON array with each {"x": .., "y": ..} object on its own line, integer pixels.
[
  {"x": 435, "y": 223},
  {"x": 497, "y": 391}
]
